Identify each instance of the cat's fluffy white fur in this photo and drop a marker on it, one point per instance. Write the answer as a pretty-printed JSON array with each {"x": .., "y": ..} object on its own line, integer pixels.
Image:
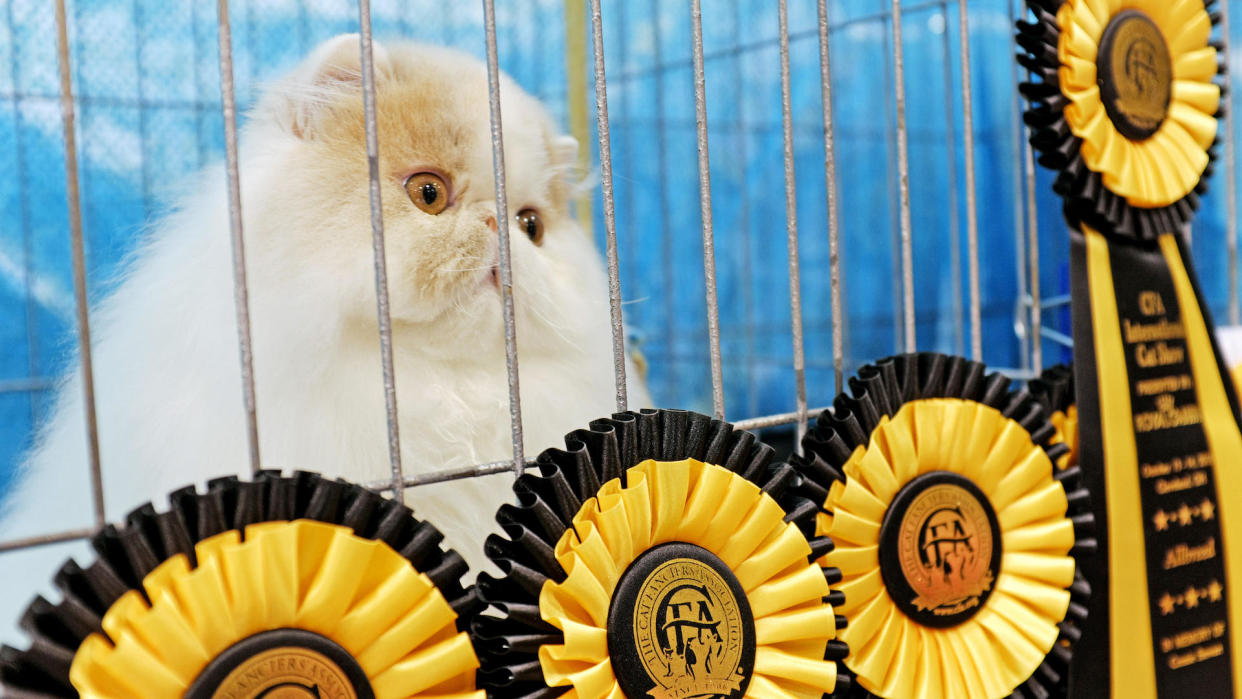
[{"x": 167, "y": 373}]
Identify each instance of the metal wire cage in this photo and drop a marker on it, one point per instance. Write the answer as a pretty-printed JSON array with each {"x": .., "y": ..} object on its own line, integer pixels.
[{"x": 886, "y": 187}]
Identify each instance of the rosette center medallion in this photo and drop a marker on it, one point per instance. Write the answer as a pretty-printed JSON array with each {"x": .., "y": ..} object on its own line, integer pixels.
[
  {"x": 1137, "y": 74},
  {"x": 283, "y": 664},
  {"x": 681, "y": 626},
  {"x": 942, "y": 549}
]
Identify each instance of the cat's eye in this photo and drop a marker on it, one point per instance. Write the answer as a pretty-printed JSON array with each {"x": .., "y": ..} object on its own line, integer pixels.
[
  {"x": 531, "y": 224},
  {"x": 428, "y": 191}
]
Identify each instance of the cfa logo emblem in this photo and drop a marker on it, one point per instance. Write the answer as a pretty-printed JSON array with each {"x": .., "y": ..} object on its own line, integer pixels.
[
  {"x": 1136, "y": 74},
  {"x": 944, "y": 545},
  {"x": 946, "y": 550},
  {"x": 1141, "y": 67},
  {"x": 688, "y": 631}
]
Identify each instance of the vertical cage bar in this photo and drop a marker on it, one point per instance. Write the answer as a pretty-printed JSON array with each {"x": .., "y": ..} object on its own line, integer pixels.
[
  {"x": 791, "y": 230},
  {"x": 610, "y": 222},
  {"x": 903, "y": 184},
  {"x": 1037, "y": 319},
  {"x": 1019, "y": 198},
  {"x": 1231, "y": 176},
  {"x": 705, "y": 205},
  {"x": 955, "y": 224},
  {"x": 502, "y": 219},
  {"x": 77, "y": 252},
  {"x": 378, "y": 251},
  {"x": 972, "y": 211},
  {"x": 890, "y": 170},
  {"x": 830, "y": 185},
  {"x": 241, "y": 290}
]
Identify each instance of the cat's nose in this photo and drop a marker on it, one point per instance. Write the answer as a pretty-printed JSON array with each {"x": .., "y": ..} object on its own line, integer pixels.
[{"x": 491, "y": 223}]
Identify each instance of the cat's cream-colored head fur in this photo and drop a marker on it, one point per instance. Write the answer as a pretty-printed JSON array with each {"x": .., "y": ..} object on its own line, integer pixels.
[{"x": 433, "y": 116}]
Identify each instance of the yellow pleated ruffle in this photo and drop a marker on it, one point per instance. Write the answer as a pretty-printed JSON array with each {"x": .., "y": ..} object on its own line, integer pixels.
[
  {"x": 1167, "y": 166},
  {"x": 302, "y": 574},
  {"x": 1066, "y": 424},
  {"x": 999, "y": 647},
  {"x": 716, "y": 509}
]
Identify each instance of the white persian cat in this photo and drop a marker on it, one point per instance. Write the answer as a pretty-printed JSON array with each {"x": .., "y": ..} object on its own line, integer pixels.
[{"x": 166, "y": 360}]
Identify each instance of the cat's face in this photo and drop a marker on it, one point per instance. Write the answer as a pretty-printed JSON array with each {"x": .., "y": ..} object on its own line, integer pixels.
[{"x": 437, "y": 187}]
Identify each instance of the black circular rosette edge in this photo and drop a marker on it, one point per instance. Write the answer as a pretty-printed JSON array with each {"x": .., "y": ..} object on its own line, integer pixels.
[
  {"x": 879, "y": 390},
  {"x": 125, "y": 555},
  {"x": 1086, "y": 198},
  {"x": 509, "y": 634}
]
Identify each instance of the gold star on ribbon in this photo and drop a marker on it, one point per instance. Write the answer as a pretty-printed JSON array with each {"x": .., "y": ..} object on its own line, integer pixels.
[
  {"x": 1192, "y": 597},
  {"x": 1207, "y": 510},
  {"x": 1166, "y": 604},
  {"x": 1214, "y": 590},
  {"x": 1184, "y": 515},
  {"x": 1161, "y": 521}
]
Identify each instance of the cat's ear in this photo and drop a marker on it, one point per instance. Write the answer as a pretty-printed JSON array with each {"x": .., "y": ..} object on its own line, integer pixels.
[
  {"x": 563, "y": 151},
  {"x": 564, "y": 166},
  {"x": 332, "y": 73}
]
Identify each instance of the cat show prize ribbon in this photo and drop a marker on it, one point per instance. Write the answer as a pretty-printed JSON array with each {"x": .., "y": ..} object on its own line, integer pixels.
[
  {"x": 955, "y": 535},
  {"x": 1124, "y": 102},
  {"x": 660, "y": 555},
  {"x": 278, "y": 587}
]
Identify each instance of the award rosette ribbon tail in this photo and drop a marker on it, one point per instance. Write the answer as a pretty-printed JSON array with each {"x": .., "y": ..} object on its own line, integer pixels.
[{"x": 1124, "y": 103}]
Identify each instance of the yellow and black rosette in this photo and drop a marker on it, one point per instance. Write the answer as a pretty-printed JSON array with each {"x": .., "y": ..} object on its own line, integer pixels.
[
  {"x": 1124, "y": 102},
  {"x": 1054, "y": 389},
  {"x": 282, "y": 586},
  {"x": 955, "y": 535},
  {"x": 661, "y": 554}
]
